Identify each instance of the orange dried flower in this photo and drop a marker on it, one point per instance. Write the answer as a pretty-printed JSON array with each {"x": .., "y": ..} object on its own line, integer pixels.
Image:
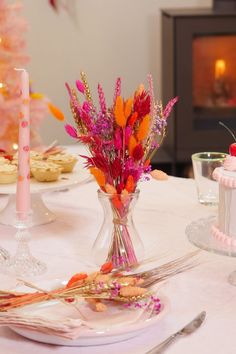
[
  {"x": 143, "y": 128},
  {"x": 99, "y": 176},
  {"x": 130, "y": 186},
  {"x": 128, "y": 107},
  {"x": 110, "y": 189},
  {"x": 56, "y": 112},
  {"x": 76, "y": 278},
  {"x": 106, "y": 268},
  {"x": 147, "y": 163},
  {"x": 117, "y": 202},
  {"x": 119, "y": 112},
  {"x": 132, "y": 144}
]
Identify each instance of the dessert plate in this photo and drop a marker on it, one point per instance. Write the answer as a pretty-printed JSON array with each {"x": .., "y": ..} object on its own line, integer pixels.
[
  {"x": 118, "y": 323},
  {"x": 40, "y": 213},
  {"x": 66, "y": 180},
  {"x": 199, "y": 233}
]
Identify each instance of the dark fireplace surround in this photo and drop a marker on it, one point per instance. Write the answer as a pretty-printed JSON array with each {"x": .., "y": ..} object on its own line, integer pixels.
[{"x": 206, "y": 87}]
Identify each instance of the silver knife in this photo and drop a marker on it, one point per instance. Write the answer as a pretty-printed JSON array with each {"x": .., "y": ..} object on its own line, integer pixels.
[{"x": 188, "y": 329}]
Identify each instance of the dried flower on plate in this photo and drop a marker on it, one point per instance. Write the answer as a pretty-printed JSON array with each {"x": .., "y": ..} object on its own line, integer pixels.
[{"x": 101, "y": 288}]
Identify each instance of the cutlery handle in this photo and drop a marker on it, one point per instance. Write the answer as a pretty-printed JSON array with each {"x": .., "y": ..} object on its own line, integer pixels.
[{"x": 160, "y": 348}]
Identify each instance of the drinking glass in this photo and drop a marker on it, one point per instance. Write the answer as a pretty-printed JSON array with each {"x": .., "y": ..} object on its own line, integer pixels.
[{"x": 204, "y": 164}]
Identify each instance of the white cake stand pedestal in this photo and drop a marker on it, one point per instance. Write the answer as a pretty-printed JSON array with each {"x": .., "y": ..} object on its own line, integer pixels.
[
  {"x": 199, "y": 234},
  {"x": 40, "y": 212}
]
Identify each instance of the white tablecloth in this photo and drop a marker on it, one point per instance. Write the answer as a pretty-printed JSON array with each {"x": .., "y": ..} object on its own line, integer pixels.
[{"x": 162, "y": 213}]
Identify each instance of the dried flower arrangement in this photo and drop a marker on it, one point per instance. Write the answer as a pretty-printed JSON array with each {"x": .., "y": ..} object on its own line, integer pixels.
[{"x": 121, "y": 140}]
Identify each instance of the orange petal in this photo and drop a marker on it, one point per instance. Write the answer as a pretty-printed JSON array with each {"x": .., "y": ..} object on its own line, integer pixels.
[
  {"x": 106, "y": 267},
  {"x": 143, "y": 128},
  {"x": 119, "y": 112},
  {"x": 99, "y": 176},
  {"x": 77, "y": 277},
  {"x": 128, "y": 107},
  {"x": 110, "y": 189},
  {"x": 56, "y": 112},
  {"x": 132, "y": 144},
  {"x": 130, "y": 184}
]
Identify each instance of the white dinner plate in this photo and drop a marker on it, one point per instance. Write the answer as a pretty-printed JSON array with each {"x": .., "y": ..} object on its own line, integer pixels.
[{"x": 118, "y": 323}]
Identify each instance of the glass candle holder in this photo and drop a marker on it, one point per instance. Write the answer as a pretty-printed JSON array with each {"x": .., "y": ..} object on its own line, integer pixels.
[{"x": 23, "y": 263}]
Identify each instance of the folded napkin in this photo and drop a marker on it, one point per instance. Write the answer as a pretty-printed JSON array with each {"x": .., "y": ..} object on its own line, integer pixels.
[{"x": 67, "y": 328}]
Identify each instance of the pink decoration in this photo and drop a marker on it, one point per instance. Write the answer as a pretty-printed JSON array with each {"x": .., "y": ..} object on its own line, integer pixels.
[
  {"x": 230, "y": 163},
  {"x": 117, "y": 90},
  {"x": 169, "y": 107},
  {"x": 102, "y": 101},
  {"x": 23, "y": 182},
  {"x": 24, "y": 124},
  {"x": 86, "y": 107},
  {"x": 71, "y": 131},
  {"x": 80, "y": 86},
  {"x": 151, "y": 91}
]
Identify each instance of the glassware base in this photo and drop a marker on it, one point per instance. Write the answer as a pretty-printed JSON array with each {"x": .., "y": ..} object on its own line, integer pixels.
[
  {"x": 41, "y": 214},
  {"x": 232, "y": 278},
  {"x": 4, "y": 256},
  {"x": 199, "y": 234},
  {"x": 26, "y": 266}
]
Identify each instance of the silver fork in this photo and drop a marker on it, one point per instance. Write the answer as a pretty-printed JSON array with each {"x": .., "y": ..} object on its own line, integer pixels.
[{"x": 188, "y": 329}]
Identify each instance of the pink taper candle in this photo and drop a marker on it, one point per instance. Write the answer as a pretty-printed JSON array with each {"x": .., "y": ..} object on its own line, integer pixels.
[{"x": 23, "y": 180}]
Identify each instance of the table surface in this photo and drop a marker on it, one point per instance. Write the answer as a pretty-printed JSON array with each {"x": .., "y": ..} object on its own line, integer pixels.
[{"x": 161, "y": 215}]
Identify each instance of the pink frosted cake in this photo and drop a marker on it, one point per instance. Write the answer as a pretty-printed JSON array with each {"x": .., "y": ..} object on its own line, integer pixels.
[{"x": 225, "y": 230}]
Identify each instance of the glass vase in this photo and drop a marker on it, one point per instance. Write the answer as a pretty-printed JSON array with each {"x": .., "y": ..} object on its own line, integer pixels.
[{"x": 118, "y": 240}]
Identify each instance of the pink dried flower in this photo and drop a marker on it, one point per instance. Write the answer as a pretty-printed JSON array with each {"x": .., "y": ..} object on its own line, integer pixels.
[
  {"x": 80, "y": 86},
  {"x": 118, "y": 139},
  {"x": 142, "y": 104},
  {"x": 169, "y": 107},
  {"x": 116, "y": 168},
  {"x": 117, "y": 90},
  {"x": 71, "y": 131},
  {"x": 102, "y": 99},
  {"x": 128, "y": 132},
  {"x": 86, "y": 107}
]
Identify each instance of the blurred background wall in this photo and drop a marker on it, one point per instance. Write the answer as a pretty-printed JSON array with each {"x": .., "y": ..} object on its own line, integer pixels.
[{"x": 110, "y": 38}]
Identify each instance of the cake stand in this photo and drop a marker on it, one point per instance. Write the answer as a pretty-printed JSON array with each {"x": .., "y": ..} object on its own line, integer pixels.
[
  {"x": 40, "y": 213},
  {"x": 199, "y": 234}
]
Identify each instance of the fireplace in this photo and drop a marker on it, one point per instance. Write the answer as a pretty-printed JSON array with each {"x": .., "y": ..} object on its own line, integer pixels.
[{"x": 198, "y": 65}]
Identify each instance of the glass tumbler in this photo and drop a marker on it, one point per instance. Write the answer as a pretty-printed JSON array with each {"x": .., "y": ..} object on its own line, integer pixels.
[{"x": 204, "y": 164}]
